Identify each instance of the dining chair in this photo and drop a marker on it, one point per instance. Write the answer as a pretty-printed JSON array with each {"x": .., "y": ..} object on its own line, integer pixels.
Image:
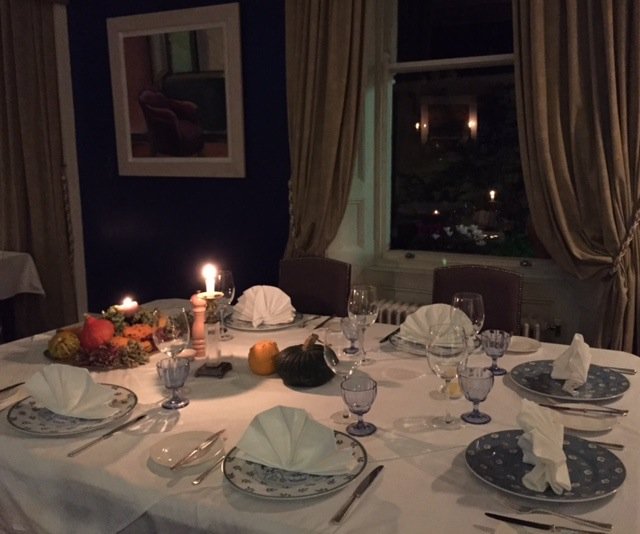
[
  {"x": 316, "y": 285},
  {"x": 501, "y": 292}
]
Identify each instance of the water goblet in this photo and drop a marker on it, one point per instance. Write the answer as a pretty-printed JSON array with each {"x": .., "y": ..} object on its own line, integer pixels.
[
  {"x": 495, "y": 343},
  {"x": 447, "y": 346},
  {"x": 363, "y": 310},
  {"x": 226, "y": 285},
  {"x": 476, "y": 383},
  {"x": 340, "y": 360},
  {"x": 171, "y": 331},
  {"x": 350, "y": 331},
  {"x": 174, "y": 372},
  {"x": 472, "y": 305},
  {"x": 359, "y": 392}
]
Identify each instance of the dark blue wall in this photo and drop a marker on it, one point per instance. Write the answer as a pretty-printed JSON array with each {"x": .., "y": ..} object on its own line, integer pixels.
[{"x": 149, "y": 236}]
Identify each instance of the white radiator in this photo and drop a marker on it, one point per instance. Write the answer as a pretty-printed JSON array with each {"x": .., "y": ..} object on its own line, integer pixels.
[{"x": 394, "y": 312}]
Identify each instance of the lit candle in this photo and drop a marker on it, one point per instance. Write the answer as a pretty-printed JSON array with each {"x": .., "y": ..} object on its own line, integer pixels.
[
  {"x": 209, "y": 273},
  {"x": 492, "y": 195},
  {"x": 128, "y": 306}
]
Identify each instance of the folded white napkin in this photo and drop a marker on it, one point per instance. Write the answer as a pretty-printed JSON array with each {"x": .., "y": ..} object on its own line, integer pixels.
[
  {"x": 416, "y": 326},
  {"x": 264, "y": 305},
  {"x": 541, "y": 445},
  {"x": 287, "y": 438},
  {"x": 70, "y": 391},
  {"x": 572, "y": 365}
]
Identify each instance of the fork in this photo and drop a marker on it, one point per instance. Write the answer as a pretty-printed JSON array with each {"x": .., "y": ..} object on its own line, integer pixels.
[{"x": 521, "y": 509}]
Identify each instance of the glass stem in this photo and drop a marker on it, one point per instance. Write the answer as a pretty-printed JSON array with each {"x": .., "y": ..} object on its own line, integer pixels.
[
  {"x": 476, "y": 405},
  {"x": 447, "y": 418},
  {"x": 361, "y": 341},
  {"x": 222, "y": 328}
]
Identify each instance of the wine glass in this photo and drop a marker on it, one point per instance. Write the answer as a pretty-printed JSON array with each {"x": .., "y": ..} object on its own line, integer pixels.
[
  {"x": 363, "y": 310},
  {"x": 476, "y": 383},
  {"x": 446, "y": 347},
  {"x": 226, "y": 285},
  {"x": 340, "y": 360},
  {"x": 359, "y": 392},
  {"x": 473, "y": 307},
  {"x": 350, "y": 331},
  {"x": 171, "y": 330},
  {"x": 495, "y": 343},
  {"x": 174, "y": 373}
]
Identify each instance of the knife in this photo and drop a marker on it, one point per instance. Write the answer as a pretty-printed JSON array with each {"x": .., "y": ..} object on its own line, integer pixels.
[
  {"x": 106, "y": 435},
  {"x": 541, "y": 526},
  {"x": 388, "y": 336},
  {"x": 11, "y": 387},
  {"x": 622, "y": 370},
  {"x": 322, "y": 323},
  {"x": 198, "y": 449},
  {"x": 312, "y": 318},
  {"x": 366, "y": 482},
  {"x": 603, "y": 410}
]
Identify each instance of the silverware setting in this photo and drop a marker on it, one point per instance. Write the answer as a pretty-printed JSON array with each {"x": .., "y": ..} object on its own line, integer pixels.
[
  {"x": 362, "y": 487},
  {"x": 623, "y": 370},
  {"x": 540, "y": 526},
  {"x": 12, "y": 386},
  {"x": 587, "y": 410},
  {"x": 198, "y": 450},
  {"x": 322, "y": 323},
  {"x": 106, "y": 435},
  {"x": 206, "y": 472},
  {"x": 521, "y": 509}
]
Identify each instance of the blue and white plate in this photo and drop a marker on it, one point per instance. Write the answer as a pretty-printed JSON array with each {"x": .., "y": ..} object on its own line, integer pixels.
[
  {"x": 27, "y": 415},
  {"x": 594, "y": 472},
  {"x": 602, "y": 383},
  {"x": 247, "y": 326},
  {"x": 272, "y": 483}
]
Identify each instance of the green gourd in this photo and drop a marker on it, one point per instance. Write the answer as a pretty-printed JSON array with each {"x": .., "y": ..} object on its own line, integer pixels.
[{"x": 303, "y": 365}]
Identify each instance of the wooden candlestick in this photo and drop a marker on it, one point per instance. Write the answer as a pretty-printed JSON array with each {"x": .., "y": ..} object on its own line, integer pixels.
[{"x": 198, "y": 331}]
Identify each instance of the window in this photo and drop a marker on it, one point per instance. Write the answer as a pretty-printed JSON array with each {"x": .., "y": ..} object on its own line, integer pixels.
[{"x": 456, "y": 179}]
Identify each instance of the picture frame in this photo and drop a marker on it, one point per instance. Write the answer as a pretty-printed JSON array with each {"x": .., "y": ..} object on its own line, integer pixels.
[{"x": 176, "y": 79}]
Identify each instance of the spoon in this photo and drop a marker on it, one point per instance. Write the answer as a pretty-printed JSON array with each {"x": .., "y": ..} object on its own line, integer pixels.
[{"x": 206, "y": 472}]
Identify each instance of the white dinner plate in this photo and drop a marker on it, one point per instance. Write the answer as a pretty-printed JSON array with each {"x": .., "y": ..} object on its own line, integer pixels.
[
  {"x": 585, "y": 422},
  {"x": 169, "y": 450},
  {"x": 523, "y": 345},
  {"x": 246, "y": 326}
]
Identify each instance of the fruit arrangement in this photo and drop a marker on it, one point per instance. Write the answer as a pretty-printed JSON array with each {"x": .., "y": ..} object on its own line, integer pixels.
[{"x": 110, "y": 341}]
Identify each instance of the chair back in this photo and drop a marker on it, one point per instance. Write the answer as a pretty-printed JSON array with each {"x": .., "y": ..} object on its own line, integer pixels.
[
  {"x": 501, "y": 292},
  {"x": 316, "y": 285}
]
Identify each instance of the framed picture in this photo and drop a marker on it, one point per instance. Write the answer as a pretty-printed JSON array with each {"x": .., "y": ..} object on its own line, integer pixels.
[{"x": 176, "y": 78}]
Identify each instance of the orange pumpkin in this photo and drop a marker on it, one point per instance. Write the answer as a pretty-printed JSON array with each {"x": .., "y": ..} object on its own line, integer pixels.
[{"x": 262, "y": 357}]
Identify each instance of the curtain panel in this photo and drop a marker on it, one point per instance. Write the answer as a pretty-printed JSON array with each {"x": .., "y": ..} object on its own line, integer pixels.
[
  {"x": 578, "y": 86},
  {"x": 324, "y": 59},
  {"x": 33, "y": 197}
]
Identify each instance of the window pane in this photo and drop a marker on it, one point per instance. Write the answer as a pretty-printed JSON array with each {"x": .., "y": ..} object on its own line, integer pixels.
[
  {"x": 456, "y": 175},
  {"x": 436, "y": 29}
]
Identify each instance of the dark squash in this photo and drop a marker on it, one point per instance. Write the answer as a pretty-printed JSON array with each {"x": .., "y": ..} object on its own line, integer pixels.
[{"x": 303, "y": 365}]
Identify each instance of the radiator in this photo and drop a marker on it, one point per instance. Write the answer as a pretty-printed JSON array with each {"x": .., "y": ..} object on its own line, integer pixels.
[{"x": 394, "y": 312}]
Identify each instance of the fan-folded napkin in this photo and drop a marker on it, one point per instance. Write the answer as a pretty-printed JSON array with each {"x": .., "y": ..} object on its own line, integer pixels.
[
  {"x": 264, "y": 305},
  {"x": 416, "y": 326},
  {"x": 541, "y": 445},
  {"x": 70, "y": 391},
  {"x": 287, "y": 438},
  {"x": 572, "y": 365}
]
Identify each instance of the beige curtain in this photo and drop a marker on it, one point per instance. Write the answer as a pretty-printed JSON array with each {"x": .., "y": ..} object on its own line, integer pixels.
[
  {"x": 324, "y": 42},
  {"x": 33, "y": 200},
  {"x": 578, "y": 87}
]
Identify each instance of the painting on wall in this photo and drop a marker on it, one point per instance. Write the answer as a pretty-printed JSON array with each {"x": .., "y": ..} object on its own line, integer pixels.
[{"x": 177, "y": 92}]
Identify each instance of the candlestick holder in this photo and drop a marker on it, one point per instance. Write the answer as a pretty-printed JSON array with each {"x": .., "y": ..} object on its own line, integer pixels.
[{"x": 204, "y": 307}]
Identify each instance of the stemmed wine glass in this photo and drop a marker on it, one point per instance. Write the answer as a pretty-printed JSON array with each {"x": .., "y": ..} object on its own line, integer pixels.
[
  {"x": 226, "y": 285},
  {"x": 342, "y": 362},
  {"x": 473, "y": 307},
  {"x": 171, "y": 330},
  {"x": 358, "y": 393},
  {"x": 174, "y": 373},
  {"x": 495, "y": 343},
  {"x": 363, "y": 310},
  {"x": 476, "y": 383},
  {"x": 446, "y": 348},
  {"x": 350, "y": 331}
]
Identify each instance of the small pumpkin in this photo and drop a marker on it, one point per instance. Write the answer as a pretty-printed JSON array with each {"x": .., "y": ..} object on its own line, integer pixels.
[
  {"x": 262, "y": 357},
  {"x": 303, "y": 365},
  {"x": 95, "y": 332}
]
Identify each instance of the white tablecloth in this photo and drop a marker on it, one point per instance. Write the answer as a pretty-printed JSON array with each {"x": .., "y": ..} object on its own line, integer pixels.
[
  {"x": 18, "y": 274},
  {"x": 425, "y": 486}
]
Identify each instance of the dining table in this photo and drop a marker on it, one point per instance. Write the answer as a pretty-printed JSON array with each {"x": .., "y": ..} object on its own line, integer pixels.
[{"x": 426, "y": 484}]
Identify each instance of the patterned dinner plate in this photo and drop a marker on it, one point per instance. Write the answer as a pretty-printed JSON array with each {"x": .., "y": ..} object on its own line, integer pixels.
[
  {"x": 602, "y": 383},
  {"x": 272, "y": 483},
  {"x": 29, "y": 416},
  {"x": 594, "y": 472},
  {"x": 247, "y": 326},
  {"x": 408, "y": 345}
]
